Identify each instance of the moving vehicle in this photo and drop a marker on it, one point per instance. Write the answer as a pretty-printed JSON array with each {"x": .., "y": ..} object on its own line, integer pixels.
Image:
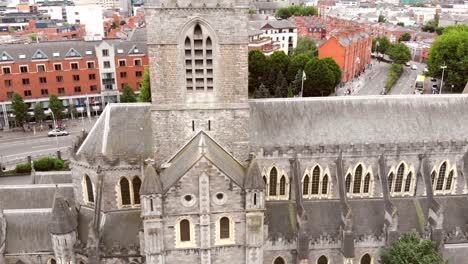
[
  {"x": 414, "y": 67},
  {"x": 407, "y": 64},
  {"x": 420, "y": 84},
  {"x": 435, "y": 88},
  {"x": 57, "y": 133}
]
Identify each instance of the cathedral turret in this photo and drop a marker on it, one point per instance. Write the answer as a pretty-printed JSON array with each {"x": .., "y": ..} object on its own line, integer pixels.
[
  {"x": 255, "y": 206},
  {"x": 62, "y": 228},
  {"x": 151, "y": 211}
]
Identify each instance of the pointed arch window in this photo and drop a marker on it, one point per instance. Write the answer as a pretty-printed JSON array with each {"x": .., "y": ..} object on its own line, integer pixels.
[
  {"x": 89, "y": 189},
  {"x": 399, "y": 178},
  {"x": 283, "y": 186},
  {"x": 409, "y": 178},
  {"x": 366, "y": 186},
  {"x": 136, "y": 184},
  {"x": 305, "y": 185},
  {"x": 315, "y": 180},
  {"x": 273, "y": 181},
  {"x": 348, "y": 182},
  {"x": 357, "y": 179},
  {"x": 125, "y": 191},
  {"x": 198, "y": 60},
  {"x": 279, "y": 260},
  {"x": 325, "y": 184},
  {"x": 366, "y": 259},
  {"x": 322, "y": 260},
  {"x": 448, "y": 184},
  {"x": 433, "y": 176},
  {"x": 390, "y": 182},
  {"x": 441, "y": 176},
  {"x": 52, "y": 261}
]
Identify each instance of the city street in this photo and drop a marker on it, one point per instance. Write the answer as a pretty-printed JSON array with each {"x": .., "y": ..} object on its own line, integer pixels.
[
  {"x": 405, "y": 85},
  {"x": 16, "y": 146}
]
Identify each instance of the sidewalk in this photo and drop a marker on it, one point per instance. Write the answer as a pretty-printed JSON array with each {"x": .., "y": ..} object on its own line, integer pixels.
[{"x": 359, "y": 82}]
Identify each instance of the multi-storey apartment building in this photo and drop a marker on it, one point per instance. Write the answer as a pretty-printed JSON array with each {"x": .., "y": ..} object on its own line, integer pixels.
[{"x": 87, "y": 74}]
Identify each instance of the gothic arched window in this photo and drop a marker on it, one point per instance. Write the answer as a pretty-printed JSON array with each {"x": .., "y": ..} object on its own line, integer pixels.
[
  {"x": 273, "y": 181},
  {"x": 305, "y": 185},
  {"x": 125, "y": 191},
  {"x": 283, "y": 185},
  {"x": 315, "y": 180},
  {"x": 322, "y": 260},
  {"x": 433, "y": 176},
  {"x": 224, "y": 228},
  {"x": 399, "y": 178},
  {"x": 89, "y": 189},
  {"x": 279, "y": 260},
  {"x": 409, "y": 178},
  {"x": 348, "y": 182},
  {"x": 136, "y": 184},
  {"x": 448, "y": 184},
  {"x": 357, "y": 179},
  {"x": 366, "y": 186},
  {"x": 390, "y": 182},
  {"x": 366, "y": 259},
  {"x": 198, "y": 60},
  {"x": 325, "y": 184},
  {"x": 441, "y": 176},
  {"x": 184, "y": 227}
]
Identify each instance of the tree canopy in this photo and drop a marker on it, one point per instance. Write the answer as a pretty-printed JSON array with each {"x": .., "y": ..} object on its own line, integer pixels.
[
  {"x": 145, "y": 89},
  {"x": 400, "y": 53},
  {"x": 382, "y": 46},
  {"x": 56, "y": 107},
  {"x": 128, "y": 95},
  {"x": 405, "y": 37},
  {"x": 410, "y": 248},
  {"x": 257, "y": 67},
  {"x": 296, "y": 10},
  {"x": 320, "y": 79},
  {"x": 305, "y": 46},
  {"x": 451, "y": 48},
  {"x": 382, "y": 19},
  {"x": 20, "y": 109},
  {"x": 39, "y": 114}
]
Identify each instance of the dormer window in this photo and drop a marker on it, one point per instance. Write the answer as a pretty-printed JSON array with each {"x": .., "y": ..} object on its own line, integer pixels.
[{"x": 198, "y": 60}]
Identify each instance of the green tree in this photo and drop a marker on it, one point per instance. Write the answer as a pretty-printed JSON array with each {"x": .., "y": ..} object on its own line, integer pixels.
[
  {"x": 20, "y": 110},
  {"x": 382, "y": 19},
  {"x": 252, "y": 11},
  {"x": 145, "y": 89},
  {"x": 281, "y": 88},
  {"x": 382, "y": 46},
  {"x": 33, "y": 37},
  {"x": 296, "y": 10},
  {"x": 400, "y": 53},
  {"x": 401, "y": 24},
  {"x": 262, "y": 92},
  {"x": 72, "y": 110},
  {"x": 335, "y": 68},
  {"x": 56, "y": 107},
  {"x": 320, "y": 80},
  {"x": 39, "y": 114},
  {"x": 410, "y": 248},
  {"x": 257, "y": 69},
  {"x": 279, "y": 61},
  {"x": 405, "y": 37},
  {"x": 305, "y": 46},
  {"x": 296, "y": 65},
  {"x": 451, "y": 48},
  {"x": 128, "y": 95}
]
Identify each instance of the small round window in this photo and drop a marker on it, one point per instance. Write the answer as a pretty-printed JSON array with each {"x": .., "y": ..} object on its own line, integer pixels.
[
  {"x": 188, "y": 200},
  {"x": 219, "y": 198}
]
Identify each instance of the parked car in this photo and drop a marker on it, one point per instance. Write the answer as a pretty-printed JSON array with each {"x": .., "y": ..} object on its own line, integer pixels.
[
  {"x": 407, "y": 64},
  {"x": 433, "y": 79},
  {"x": 414, "y": 67},
  {"x": 57, "y": 133}
]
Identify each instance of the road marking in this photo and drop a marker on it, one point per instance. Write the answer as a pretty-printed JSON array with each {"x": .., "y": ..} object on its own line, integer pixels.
[
  {"x": 36, "y": 151},
  {"x": 40, "y": 146}
]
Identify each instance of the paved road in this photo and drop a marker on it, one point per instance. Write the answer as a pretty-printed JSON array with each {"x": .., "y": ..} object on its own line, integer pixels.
[
  {"x": 16, "y": 146},
  {"x": 375, "y": 81},
  {"x": 405, "y": 85}
]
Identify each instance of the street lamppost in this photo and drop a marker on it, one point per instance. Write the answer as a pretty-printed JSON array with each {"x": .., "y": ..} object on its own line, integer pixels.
[
  {"x": 55, "y": 126},
  {"x": 443, "y": 67}
]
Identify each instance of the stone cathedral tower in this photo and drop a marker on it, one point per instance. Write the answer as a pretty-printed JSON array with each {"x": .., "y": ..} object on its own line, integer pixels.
[{"x": 198, "y": 64}]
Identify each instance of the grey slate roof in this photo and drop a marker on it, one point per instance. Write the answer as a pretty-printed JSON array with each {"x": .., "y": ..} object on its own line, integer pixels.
[
  {"x": 279, "y": 24},
  {"x": 121, "y": 130},
  {"x": 253, "y": 177},
  {"x": 85, "y": 216},
  {"x": 412, "y": 213},
  {"x": 53, "y": 177},
  {"x": 281, "y": 218},
  {"x": 201, "y": 145},
  {"x": 358, "y": 120},
  {"x": 368, "y": 216},
  {"x": 63, "y": 219},
  {"x": 33, "y": 196},
  {"x": 27, "y": 231},
  {"x": 323, "y": 217},
  {"x": 151, "y": 182},
  {"x": 121, "y": 228},
  {"x": 455, "y": 209}
]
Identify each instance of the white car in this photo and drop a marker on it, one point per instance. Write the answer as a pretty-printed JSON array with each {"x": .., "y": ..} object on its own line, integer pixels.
[
  {"x": 57, "y": 133},
  {"x": 414, "y": 67}
]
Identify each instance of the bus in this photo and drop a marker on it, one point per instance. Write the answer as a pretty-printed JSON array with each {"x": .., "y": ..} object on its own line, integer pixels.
[{"x": 420, "y": 84}]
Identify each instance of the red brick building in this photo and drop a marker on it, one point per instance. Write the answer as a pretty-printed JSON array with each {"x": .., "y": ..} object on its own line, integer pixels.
[{"x": 86, "y": 74}]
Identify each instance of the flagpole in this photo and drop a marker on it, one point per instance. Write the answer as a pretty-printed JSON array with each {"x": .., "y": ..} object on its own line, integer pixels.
[{"x": 302, "y": 85}]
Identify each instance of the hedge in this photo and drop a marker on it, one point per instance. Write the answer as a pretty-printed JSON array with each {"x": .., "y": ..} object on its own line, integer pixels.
[
  {"x": 43, "y": 164},
  {"x": 395, "y": 72}
]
